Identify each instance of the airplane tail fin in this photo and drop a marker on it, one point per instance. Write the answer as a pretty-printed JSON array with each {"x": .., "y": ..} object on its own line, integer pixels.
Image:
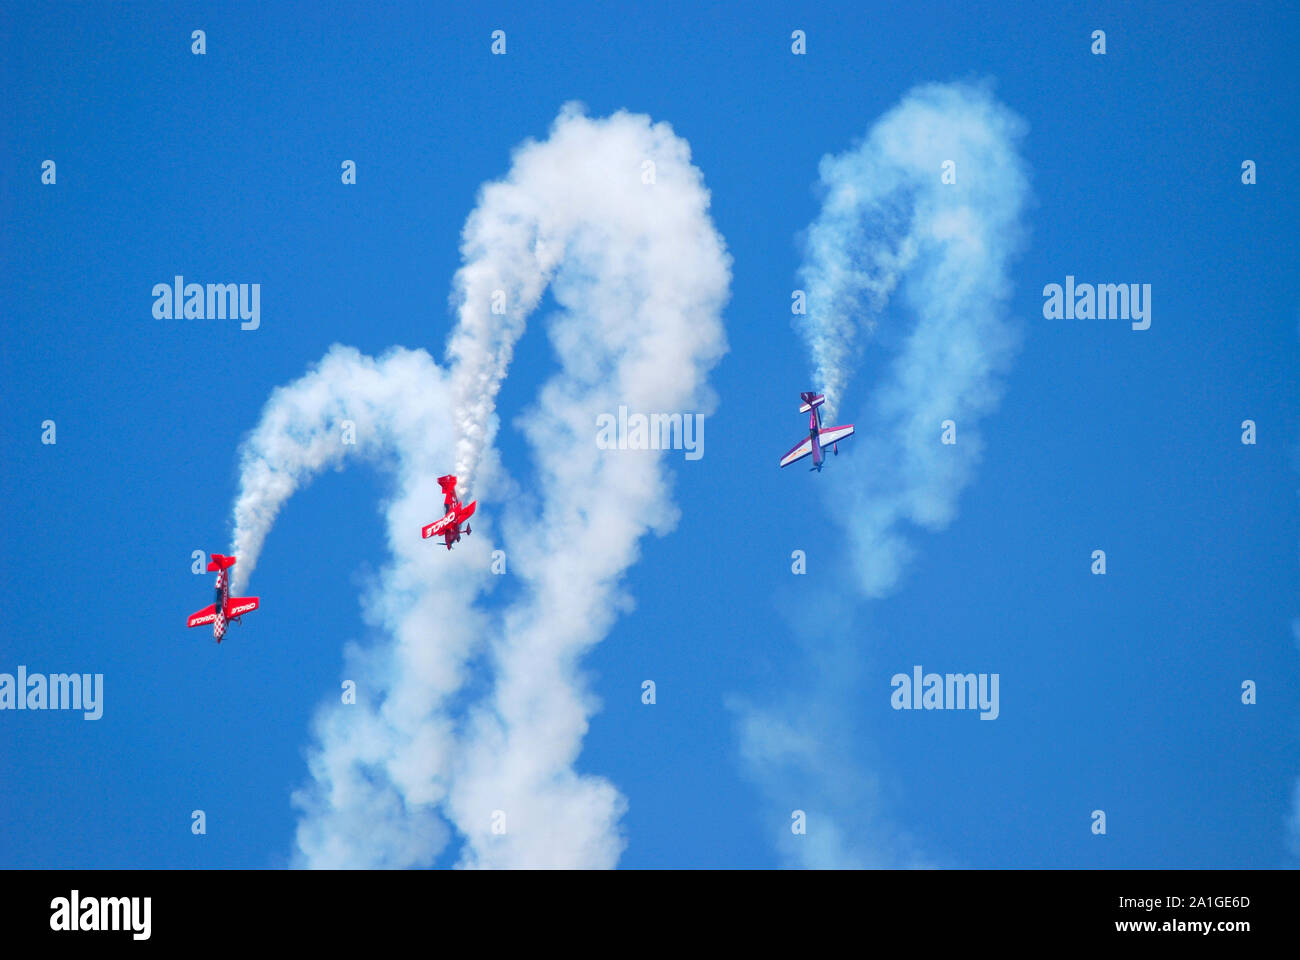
[
  {"x": 218, "y": 562},
  {"x": 448, "y": 484},
  {"x": 811, "y": 400}
]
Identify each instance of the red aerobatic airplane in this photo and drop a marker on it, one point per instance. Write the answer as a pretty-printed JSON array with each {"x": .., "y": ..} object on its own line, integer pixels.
[
  {"x": 449, "y": 525},
  {"x": 226, "y": 608}
]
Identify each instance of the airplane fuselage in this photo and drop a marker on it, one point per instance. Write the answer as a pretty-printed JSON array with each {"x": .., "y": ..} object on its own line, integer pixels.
[
  {"x": 448, "y": 527},
  {"x": 819, "y": 437},
  {"x": 814, "y": 429},
  {"x": 224, "y": 607},
  {"x": 220, "y": 602}
]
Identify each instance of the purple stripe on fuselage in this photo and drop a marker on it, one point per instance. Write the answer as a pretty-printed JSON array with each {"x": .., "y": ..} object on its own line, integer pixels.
[{"x": 814, "y": 428}]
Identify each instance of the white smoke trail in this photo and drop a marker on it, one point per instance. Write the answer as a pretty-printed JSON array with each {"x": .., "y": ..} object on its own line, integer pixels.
[
  {"x": 804, "y": 762},
  {"x": 892, "y": 231},
  {"x": 640, "y": 275},
  {"x": 391, "y": 403},
  {"x": 889, "y": 219},
  {"x": 503, "y": 278},
  {"x": 891, "y": 228},
  {"x": 613, "y": 214},
  {"x": 379, "y": 767}
]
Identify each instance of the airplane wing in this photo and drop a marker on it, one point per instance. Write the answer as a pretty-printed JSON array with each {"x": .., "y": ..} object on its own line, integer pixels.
[
  {"x": 238, "y": 606},
  {"x": 449, "y": 519},
  {"x": 832, "y": 434},
  {"x": 435, "y": 528},
  {"x": 206, "y": 615},
  {"x": 800, "y": 451}
]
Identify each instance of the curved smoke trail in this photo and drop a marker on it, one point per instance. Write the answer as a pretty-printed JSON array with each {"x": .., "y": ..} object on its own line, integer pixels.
[
  {"x": 379, "y": 767},
  {"x": 640, "y": 275},
  {"x": 896, "y": 242},
  {"x": 892, "y": 229}
]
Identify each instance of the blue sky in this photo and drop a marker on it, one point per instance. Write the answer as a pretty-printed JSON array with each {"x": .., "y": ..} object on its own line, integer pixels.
[{"x": 1119, "y": 692}]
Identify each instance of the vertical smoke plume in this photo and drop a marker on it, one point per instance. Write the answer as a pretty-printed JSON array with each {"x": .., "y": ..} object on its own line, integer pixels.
[
  {"x": 379, "y": 766},
  {"x": 640, "y": 276},
  {"x": 892, "y": 231},
  {"x": 896, "y": 245},
  {"x": 612, "y": 215}
]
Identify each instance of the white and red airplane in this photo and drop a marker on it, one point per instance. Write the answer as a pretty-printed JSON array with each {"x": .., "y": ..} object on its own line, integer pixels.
[
  {"x": 449, "y": 526},
  {"x": 226, "y": 608}
]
